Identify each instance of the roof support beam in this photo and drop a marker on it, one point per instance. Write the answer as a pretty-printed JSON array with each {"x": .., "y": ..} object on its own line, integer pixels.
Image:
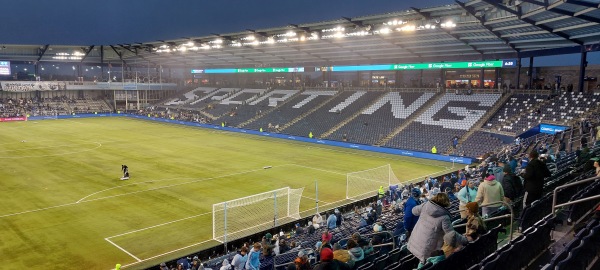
[
  {"x": 582, "y": 3},
  {"x": 427, "y": 16},
  {"x": 483, "y": 23},
  {"x": 519, "y": 14},
  {"x": 42, "y": 51},
  {"x": 87, "y": 52}
]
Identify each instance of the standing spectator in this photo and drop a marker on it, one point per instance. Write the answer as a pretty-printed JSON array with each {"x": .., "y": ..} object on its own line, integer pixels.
[
  {"x": 253, "y": 262},
  {"x": 409, "y": 219},
  {"x": 584, "y": 141},
  {"x": 490, "y": 191},
  {"x": 446, "y": 185},
  {"x": 239, "y": 260},
  {"x": 338, "y": 216},
  {"x": 331, "y": 221},
  {"x": 475, "y": 224},
  {"x": 466, "y": 195},
  {"x": 512, "y": 163},
  {"x": 434, "y": 222},
  {"x": 380, "y": 192},
  {"x": 326, "y": 236},
  {"x": 512, "y": 185},
  {"x": 535, "y": 172}
]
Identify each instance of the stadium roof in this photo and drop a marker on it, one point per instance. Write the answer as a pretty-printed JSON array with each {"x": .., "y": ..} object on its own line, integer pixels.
[{"x": 477, "y": 29}]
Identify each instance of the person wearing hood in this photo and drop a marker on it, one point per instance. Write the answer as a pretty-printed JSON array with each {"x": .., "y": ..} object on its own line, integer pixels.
[
  {"x": 226, "y": 265},
  {"x": 317, "y": 221},
  {"x": 434, "y": 222},
  {"x": 489, "y": 191},
  {"x": 409, "y": 219},
  {"x": 356, "y": 252},
  {"x": 239, "y": 260}
]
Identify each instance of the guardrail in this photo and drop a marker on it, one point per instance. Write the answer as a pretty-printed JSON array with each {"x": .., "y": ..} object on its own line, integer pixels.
[
  {"x": 555, "y": 206},
  {"x": 511, "y": 215}
]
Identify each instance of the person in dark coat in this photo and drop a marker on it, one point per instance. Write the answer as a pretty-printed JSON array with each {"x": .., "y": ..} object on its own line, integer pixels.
[
  {"x": 535, "y": 172},
  {"x": 512, "y": 185},
  {"x": 329, "y": 263}
]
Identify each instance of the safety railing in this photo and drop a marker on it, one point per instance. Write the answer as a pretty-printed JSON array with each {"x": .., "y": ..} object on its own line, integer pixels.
[
  {"x": 511, "y": 215},
  {"x": 555, "y": 206},
  {"x": 391, "y": 236}
]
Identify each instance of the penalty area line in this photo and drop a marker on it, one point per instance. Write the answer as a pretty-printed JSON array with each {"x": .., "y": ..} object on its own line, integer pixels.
[
  {"x": 122, "y": 249},
  {"x": 158, "y": 225},
  {"x": 159, "y": 255}
]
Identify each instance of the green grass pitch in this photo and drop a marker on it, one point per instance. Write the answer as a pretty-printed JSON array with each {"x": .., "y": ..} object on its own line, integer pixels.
[{"x": 64, "y": 207}]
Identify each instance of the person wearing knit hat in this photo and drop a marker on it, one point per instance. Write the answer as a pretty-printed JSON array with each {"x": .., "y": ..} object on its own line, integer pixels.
[
  {"x": 490, "y": 191},
  {"x": 475, "y": 224},
  {"x": 326, "y": 255},
  {"x": 328, "y": 262}
]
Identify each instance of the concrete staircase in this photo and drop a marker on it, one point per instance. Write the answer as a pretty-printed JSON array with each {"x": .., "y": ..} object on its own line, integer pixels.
[
  {"x": 288, "y": 124},
  {"x": 409, "y": 120},
  {"x": 268, "y": 111},
  {"x": 347, "y": 120}
]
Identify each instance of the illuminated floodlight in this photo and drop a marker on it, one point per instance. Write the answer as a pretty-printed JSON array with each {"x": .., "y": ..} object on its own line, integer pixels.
[
  {"x": 218, "y": 41},
  {"x": 251, "y": 38},
  {"x": 338, "y": 35},
  {"x": 182, "y": 49},
  {"x": 428, "y": 26},
  {"x": 385, "y": 30},
  {"x": 291, "y": 34},
  {"x": 302, "y": 38},
  {"x": 190, "y": 44},
  {"x": 270, "y": 40}
]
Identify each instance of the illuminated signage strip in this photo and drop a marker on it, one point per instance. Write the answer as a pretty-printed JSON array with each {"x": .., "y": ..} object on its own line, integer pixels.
[
  {"x": 249, "y": 70},
  {"x": 415, "y": 66}
]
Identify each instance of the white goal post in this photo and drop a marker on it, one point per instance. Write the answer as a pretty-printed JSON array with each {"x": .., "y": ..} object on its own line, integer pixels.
[
  {"x": 241, "y": 217},
  {"x": 364, "y": 184}
]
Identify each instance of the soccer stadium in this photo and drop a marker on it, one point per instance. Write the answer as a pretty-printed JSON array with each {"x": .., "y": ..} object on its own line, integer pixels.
[{"x": 427, "y": 138}]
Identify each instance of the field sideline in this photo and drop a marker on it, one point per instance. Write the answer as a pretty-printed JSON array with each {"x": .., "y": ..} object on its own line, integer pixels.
[{"x": 65, "y": 207}]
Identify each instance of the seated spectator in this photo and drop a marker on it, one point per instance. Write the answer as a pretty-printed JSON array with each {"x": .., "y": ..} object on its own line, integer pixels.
[
  {"x": 331, "y": 221},
  {"x": 327, "y": 236},
  {"x": 239, "y": 260},
  {"x": 475, "y": 224},
  {"x": 301, "y": 262},
  {"x": 226, "y": 265},
  {"x": 299, "y": 229},
  {"x": 435, "y": 257},
  {"x": 328, "y": 262},
  {"x": 317, "y": 221},
  {"x": 342, "y": 255},
  {"x": 363, "y": 221},
  {"x": 311, "y": 229},
  {"x": 356, "y": 252},
  {"x": 363, "y": 243},
  {"x": 283, "y": 247},
  {"x": 453, "y": 242}
]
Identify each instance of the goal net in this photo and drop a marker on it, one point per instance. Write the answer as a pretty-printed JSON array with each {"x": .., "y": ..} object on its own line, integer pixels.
[
  {"x": 364, "y": 184},
  {"x": 245, "y": 216}
]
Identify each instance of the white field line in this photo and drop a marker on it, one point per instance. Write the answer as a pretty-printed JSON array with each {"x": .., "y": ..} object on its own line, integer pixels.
[
  {"x": 313, "y": 199},
  {"x": 158, "y": 225},
  {"x": 174, "y": 185},
  {"x": 61, "y": 154},
  {"x": 163, "y": 254},
  {"x": 122, "y": 249},
  {"x": 313, "y": 168},
  {"x": 108, "y": 197},
  {"x": 46, "y": 147}
]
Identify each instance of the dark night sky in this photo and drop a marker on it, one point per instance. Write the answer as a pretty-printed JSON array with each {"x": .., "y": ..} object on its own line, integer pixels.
[{"x": 95, "y": 22}]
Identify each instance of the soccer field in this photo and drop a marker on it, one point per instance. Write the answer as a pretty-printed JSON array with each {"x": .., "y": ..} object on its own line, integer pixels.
[{"x": 64, "y": 207}]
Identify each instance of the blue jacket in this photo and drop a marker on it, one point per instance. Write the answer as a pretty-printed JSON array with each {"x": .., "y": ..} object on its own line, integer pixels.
[
  {"x": 331, "y": 221},
  {"x": 409, "y": 218},
  {"x": 513, "y": 165},
  {"x": 253, "y": 262}
]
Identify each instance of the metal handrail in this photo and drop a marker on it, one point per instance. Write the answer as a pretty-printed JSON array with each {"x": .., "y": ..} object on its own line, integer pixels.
[
  {"x": 554, "y": 206},
  {"x": 494, "y": 218},
  {"x": 379, "y": 245}
]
